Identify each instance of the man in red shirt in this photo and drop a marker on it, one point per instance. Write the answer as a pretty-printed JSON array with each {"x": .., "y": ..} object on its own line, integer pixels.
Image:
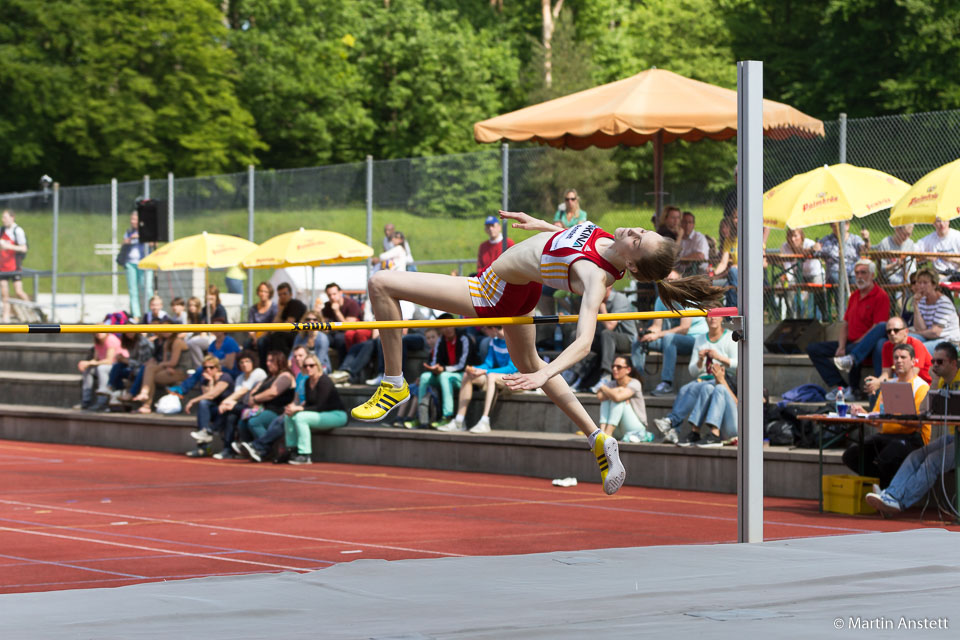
[
  {"x": 868, "y": 306},
  {"x": 491, "y": 249}
]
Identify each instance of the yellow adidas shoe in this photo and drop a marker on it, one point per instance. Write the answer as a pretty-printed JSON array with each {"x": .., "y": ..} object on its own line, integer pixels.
[
  {"x": 612, "y": 473},
  {"x": 385, "y": 398}
]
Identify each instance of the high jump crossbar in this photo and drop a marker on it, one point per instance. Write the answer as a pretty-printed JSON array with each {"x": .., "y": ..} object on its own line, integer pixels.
[{"x": 359, "y": 324}]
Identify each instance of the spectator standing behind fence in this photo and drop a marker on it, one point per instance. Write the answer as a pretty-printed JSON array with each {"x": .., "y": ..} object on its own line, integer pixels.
[
  {"x": 882, "y": 453},
  {"x": 868, "y": 306},
  {"x": 715, "y": 346},
  {"x": 942, "y": 240},
  {"x": 920, "y": 471},
  {"x": 892, "y": 269},
  {"x": 935, "y": 318},
  {"x": 321, "y": 409},
  {"x": 96, "y": 371},
  {"x": 671, "y": 341},
  {"x": 394, "y": 258},
  {"x": 726, "y": 271},
  {"x": 496, "y": 365},
  {"x": 623, "y": 413},
  {"x": 828, "y": 249},
  {"x": 491, "y": 248},
  {"x": 569, "y": 212},
  {"x": 131, "y": 252},
  {"x": 13, "y": 249},
  {"x": 388, "y": 233}
]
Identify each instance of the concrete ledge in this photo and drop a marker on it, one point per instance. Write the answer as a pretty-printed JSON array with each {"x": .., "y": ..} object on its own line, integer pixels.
[
  {"x": 787, "y": 473},
  {"x": 55, "y": 357}
]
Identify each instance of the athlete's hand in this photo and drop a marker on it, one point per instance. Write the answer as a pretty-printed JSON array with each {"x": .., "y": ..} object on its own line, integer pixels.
[
  {"x": 525, "y": 381},
  {"x": 526, "y": 221}
]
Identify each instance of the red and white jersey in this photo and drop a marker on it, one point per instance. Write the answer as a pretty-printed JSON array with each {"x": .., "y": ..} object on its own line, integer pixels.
[{"x": 566, "y": 247}]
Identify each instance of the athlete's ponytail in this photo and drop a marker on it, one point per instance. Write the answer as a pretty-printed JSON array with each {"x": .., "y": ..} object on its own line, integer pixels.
[{"x": 693, "y": 291}]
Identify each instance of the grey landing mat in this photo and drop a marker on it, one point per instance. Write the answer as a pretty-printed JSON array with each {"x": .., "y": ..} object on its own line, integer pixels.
[{"x": 881, "y": 585}]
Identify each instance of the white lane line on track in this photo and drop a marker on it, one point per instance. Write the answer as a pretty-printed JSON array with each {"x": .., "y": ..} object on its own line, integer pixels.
[
  {"x": 22, "y": 561},
  {"x": 187, "y": 523},
  {"x": 142, "y": 548}
]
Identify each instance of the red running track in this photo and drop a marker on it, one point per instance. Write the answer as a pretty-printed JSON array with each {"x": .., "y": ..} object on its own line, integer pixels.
[{"x": 80, "y": 517}]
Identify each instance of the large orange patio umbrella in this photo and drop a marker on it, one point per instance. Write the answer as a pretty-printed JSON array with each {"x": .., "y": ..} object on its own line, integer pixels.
[{"x": 655, "y": 105}]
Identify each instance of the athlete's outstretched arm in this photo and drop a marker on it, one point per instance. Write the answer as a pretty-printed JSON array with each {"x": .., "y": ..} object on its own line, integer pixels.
[
  {"x": 527, "y": 222},
  {"x": 595, "y": 290}
]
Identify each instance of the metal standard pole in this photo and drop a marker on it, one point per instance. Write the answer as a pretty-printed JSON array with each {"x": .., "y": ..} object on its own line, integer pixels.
[
  {"x": 146, "y": 187},
  {"x": 250, "y": 195},
  {"x": 170, "y": 196},
  {"x": 113, "y": 238},
  {"x": 369, "y": 208},
  {"x": 750, "y": 301},
  {"x": 56, "y": 234},
  {"x": 843, "y": 138},
  {"x": 505, "y": 188}
]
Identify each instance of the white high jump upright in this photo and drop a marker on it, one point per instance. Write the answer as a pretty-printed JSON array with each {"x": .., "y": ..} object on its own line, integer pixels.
[{"x": 750, "y": 301}]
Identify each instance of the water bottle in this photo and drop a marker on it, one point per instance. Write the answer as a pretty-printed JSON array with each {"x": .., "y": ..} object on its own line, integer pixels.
[{"x": 841, "y": 403}]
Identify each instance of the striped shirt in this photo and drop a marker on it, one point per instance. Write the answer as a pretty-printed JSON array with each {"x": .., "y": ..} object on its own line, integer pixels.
[{"x": 941, "y": 313}]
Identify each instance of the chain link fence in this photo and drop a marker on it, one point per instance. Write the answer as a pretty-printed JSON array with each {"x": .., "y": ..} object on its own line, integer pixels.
[{"x": 440, "y": 202}]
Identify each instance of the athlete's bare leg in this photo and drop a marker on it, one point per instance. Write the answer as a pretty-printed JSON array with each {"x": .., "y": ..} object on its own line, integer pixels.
[
  {"x": 433, "y": 290},
  {"x": 521, "y": 343}
]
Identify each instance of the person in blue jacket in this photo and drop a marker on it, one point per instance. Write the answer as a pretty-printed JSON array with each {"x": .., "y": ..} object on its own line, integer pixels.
[{"x": 496, "y": 365}]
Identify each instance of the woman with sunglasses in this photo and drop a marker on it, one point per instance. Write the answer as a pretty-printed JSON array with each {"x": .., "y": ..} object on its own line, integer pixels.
[
  {"x": 315, "y": 342},
  {"x": 322, "y": 409},
  {"x": 216, "y": 386},
  {"x": 583, "y": 260},
  {"x": 569, "y": 213},
  {"x": 622, "y": 409}
]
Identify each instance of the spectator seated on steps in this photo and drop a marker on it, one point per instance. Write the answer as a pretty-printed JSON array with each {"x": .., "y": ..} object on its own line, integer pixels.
[
  {"x": 315, "y": 342},
  {"x": 136, "y": 349},
  {"x": 319, "y": 408},
  {"x": 611, "y": 337},
  {"x": 212, "y": 312},
  {"x": 486, "y": 376},
  {"x": 671, "y": 338},
  {"x": 882, "y": 453},
  {"x": 155, "y": 311},
  {"x": 169, "y": 370},
  {"x": 266, "y": 403},
  {"x": 232, "y": 407},
  {"x": 897, "y": 334},
  {"x": 225, "y": 349},
  {"x": 868, "y": 306},
  {"x": 95, "y": 371},
  {"x": 935, "y": 317},
  {"x": 623, "y": 413},
  {"x": 216, "y": 385},
  {"x": 695, "y": 397},
  {"x": 922, "y": 468}
]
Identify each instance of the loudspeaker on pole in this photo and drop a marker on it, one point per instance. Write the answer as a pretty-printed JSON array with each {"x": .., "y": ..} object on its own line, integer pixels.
[{"x": 152, "y": 216}]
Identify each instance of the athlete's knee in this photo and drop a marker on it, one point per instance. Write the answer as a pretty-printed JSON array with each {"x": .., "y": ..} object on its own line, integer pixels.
[{"x": 379, "y": 283}]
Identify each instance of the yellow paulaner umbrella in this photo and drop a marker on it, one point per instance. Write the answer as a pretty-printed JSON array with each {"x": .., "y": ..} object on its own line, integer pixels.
[
  {"x": 307, "y": 247},
  {"x": 202, "y": 251},
  {"x": 935, "y": 195},
  {"x": 830, "y": 194}
]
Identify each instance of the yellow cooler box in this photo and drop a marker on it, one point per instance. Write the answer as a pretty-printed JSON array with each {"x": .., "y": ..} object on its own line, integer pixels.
[{"x": 844, "y": 494}]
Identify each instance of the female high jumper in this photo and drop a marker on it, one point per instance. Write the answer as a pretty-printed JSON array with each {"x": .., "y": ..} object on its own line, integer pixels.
[{"x": 584, "y": 260}]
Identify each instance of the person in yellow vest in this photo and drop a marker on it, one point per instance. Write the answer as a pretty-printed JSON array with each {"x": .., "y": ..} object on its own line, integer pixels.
[{"x": 884, "y": 452}]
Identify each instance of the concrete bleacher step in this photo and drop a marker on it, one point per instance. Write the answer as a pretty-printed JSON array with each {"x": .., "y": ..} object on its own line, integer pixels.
[
  {"x": 42, "y": 357},
  {"x": 787, "y": 473},
  {"x": 45, "y": 389}
]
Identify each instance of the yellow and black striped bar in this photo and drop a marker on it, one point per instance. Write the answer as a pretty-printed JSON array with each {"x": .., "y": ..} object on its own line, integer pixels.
[{"x": 360, "y": 324}]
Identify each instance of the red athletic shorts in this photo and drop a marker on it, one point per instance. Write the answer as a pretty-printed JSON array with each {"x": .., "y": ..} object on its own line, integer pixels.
[{"x": 494, "y": 298}]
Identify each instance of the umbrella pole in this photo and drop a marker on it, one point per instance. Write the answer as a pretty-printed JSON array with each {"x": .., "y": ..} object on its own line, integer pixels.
[
  {"x": 658, "y": 174},
  {"x": 843, "y": 282}
]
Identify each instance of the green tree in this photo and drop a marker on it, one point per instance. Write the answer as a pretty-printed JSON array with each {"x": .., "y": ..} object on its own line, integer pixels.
[
  {"x": 862, "y": 57},
  {"x": 429, "y": 76},
  {"x": 118, "y": 88},
  {"x": 298, "y": 81}
]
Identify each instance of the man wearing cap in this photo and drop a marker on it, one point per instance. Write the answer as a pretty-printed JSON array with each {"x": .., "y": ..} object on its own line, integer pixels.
[{"x": 491, "y": 249}]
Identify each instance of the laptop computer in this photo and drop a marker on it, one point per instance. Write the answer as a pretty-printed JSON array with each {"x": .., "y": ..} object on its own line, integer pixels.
[
  {"x": 898, "y": 399},
  {"x": 943, "y": 404}
]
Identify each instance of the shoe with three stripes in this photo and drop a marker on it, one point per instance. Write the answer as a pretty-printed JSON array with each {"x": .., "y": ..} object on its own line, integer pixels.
[
  {"x": 385, "y": 398},
  {"x": 612, "y": 473}
]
